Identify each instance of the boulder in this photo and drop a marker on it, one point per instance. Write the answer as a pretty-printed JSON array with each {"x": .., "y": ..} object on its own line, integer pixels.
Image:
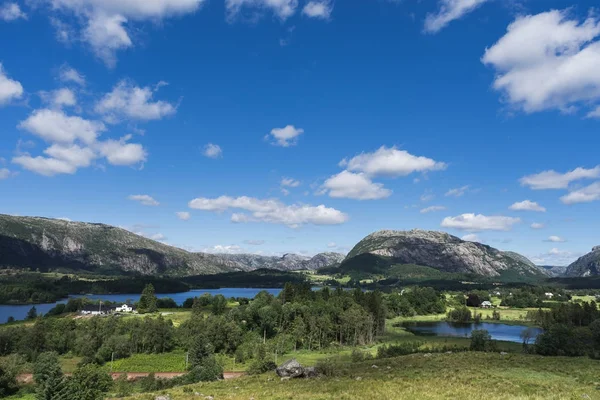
[{"x": 293, "y": 369}]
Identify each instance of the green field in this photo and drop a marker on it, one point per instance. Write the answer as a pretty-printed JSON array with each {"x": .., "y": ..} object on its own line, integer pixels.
[{"x": 437, "y": 376}]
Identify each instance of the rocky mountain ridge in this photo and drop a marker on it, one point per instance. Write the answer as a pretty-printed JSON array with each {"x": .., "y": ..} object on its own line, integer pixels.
[
  {"x": 587, "y": 265},
  {"x": 444, "y": 252},
  {"x": 51, "y": 244}
]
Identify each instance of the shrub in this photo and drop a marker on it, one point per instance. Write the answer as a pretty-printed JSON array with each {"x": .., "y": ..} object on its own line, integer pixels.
[
  {"x": 481, "y": 340},
  {"x": 399, "y": 349},
  {"x": 460, "y": 314},
  {"x": 359, "y": 355}
]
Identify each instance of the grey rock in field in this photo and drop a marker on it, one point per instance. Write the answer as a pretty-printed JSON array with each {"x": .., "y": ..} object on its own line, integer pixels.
[
  {"x": 293, "y": 369},
  {"x": 290, "y": 368},
  {"x": 444, "y": 252},
  {"x": 588, "y": 265},
  {"x": 167, "y": 397},
  {"x": 47, "y": 244}
]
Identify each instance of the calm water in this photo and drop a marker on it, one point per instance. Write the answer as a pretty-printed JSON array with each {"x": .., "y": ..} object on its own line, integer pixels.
[
  {"x": 20, "y": 312},
  {"x": 509, "y": 333}
]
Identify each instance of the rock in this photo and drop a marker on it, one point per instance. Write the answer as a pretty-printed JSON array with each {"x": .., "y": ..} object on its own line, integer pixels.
[
  {"x": 374, "y": 366},
  {"x": 291, "y": 368},
  {"x": 358, "y": 378},
  {"x": 427, "y": 355},
  {"x": 209, "y": 398},
  {"x": 167, "y": 397},
  {"x": 448, "y": 352},
  {"x": 285, "y": 378},
  {"x": 503, "y": 353},
  {"x": 310, "y": 372}
]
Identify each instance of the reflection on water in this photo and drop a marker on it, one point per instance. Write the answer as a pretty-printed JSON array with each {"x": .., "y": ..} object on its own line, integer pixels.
[{"x": 509, "y": 333}]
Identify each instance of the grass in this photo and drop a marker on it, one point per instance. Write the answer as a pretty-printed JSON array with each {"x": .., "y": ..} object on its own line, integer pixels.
[
  {"x": 439, "y": 376},
  {"x": 166, "y": 362}
]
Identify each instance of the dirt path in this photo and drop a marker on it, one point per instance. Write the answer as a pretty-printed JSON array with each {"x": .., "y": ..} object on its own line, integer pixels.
[{"x": 28, "y": 378}]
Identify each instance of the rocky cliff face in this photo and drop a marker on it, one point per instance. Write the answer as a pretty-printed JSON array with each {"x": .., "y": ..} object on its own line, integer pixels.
[
  {"x": 44, "y": 243},
  {"x": 444, "y": 252},
  {"x": 588, "y": 265}
]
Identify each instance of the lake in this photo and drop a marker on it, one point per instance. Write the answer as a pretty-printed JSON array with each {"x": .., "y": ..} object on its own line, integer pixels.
[
  {"x": 504, "y": 332},
  {"x": 19, "y": 312}
]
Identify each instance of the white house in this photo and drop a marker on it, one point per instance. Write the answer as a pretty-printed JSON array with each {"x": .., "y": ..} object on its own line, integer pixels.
[
  {"x": 486, "y": 304},
  {"x": 549, "y": 295},
  {"x": 125, "y": 308},
  {"x": 93, "y": 310}
]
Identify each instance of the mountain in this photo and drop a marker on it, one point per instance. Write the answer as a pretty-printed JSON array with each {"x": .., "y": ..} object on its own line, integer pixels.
[
  {"x": 440, "y": 251},
  {"x": 288, "y": 262},
  {"x": 555, "y": 271},
  {"x": 587, "y": 265},
  {"x": 51, "y": 244}
]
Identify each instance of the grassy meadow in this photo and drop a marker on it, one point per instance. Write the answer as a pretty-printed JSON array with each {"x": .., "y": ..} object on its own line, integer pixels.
[{"x": 420, "y": 376}]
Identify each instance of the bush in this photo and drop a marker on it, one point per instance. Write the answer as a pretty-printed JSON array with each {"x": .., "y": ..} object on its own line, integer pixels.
[
  {"x": 208, "y": 370},
  {"x": 481, "y": 340},
  {"x": 260, "y": 366},
  {"x": 460, "y": 314},
  {"x": 331, "y": 367},
  {"x": 399, "y": 349},
  {"x": 359, "y": 355}
]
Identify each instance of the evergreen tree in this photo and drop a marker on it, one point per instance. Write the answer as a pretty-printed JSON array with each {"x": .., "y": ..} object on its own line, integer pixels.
[
  {"x": 148, "y": 301},
  {"x": 48, "y": 376},
  {"x": 31, "y": 314}
]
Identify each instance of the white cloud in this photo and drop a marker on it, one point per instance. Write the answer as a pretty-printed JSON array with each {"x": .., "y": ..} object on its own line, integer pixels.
[
  {"x": 221, "y": 249},
  {"x": 594, "y": 113},
  {"x": 285, "y": 192},
  {"x": 290, "y": 182},
  {"x": 4, "y": 173},
  {"x": 555, "y": 239},
  {"x": 479, "y": 222},
  {"x": 286, "y": 137},
  {"x": 584, "y": 195},
  {"x": 318, "y": 9},
  {"x": 349, "y": 185},
  {"x": 11, "y": 12},
  {"x": 73, "y": 154},
  {"x": 548, "y": 61},
  {"x": 432, "y": 209},
  {"x": 106, "y": 21},
  {"x": 281, "y": 8},
  {"x": 132, "y": 102},
  {"x": 527, "y": 205},
  {"x": 555, "y": 180},
  {"x": 44, "y": 166},
  {"x": 212, "y": 151},
  {"x": 144, "y": 199},
  {"x": 391, "y": 162},
  {"x": 471, "y": 237},
  {"x": 55, "y": 126},
  {"x": 254, "y": 242},
  {"x": 9, "y": 89},
  {"x": 60, "y": 98},
  {"x": 271, "y": 211},
  {"x": 450, "y": 10},
  {"x": 537, "y": 225},
  {"x": 457, "y": 192},
  {"x": 119, "y": 152},
  {"x": 556, "y": 257},
  {"x": 425, "y": 197},
  {"x": 68, "y": 74},
  {"x": 331, "y": 245},
  {"x": 183, "y": 215}
]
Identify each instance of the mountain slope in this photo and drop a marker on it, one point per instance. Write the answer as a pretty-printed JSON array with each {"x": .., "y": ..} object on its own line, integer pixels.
[
  {"x": 443, "y": 252},
  {"x": 588, "y": 265},
  {"x": 44, "y": 244}
]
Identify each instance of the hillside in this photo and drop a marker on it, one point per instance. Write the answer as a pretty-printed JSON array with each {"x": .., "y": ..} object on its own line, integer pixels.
[
  {"x": 51, "y": 244},
  {"x": 588, "y": 265},
  {"x": 438, "y": 250}
]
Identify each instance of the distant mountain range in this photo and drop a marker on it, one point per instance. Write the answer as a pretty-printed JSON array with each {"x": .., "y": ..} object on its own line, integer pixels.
[
  {"x": 44, "y": 244},
  {"x": 54, "y": 244}
]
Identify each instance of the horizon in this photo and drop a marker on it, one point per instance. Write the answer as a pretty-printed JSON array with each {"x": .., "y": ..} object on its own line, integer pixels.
[{"x": 300, "y": 127}]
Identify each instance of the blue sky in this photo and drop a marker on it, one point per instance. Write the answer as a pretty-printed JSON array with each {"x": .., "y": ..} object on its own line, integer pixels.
[{"x": 277, "y": 126}]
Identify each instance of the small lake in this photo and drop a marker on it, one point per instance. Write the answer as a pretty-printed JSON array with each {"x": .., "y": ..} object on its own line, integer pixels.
[
  {"x": 19, "y": 312},
  {"x": 504, "y": 332}
]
